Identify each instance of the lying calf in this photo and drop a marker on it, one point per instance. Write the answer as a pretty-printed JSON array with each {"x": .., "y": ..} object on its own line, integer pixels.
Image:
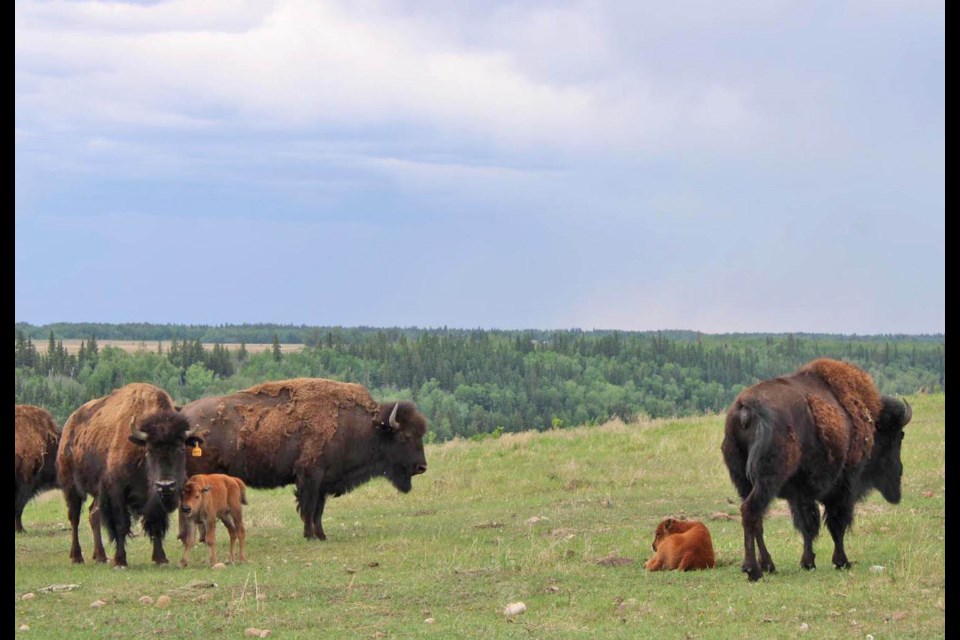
[
  {"x": 206, "y": 498},
  {"x": 681, "y": 544}
]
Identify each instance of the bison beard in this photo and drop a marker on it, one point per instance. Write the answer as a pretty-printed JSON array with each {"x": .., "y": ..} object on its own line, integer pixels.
[
  {"x": 822, "y": 434},
  {"x": 327, "y": 437}
]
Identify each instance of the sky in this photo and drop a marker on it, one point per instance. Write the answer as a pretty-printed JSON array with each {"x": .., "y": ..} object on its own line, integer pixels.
[{"x": 741, "y": 166}]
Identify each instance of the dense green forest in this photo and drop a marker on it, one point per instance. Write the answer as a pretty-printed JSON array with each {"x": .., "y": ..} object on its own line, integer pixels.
[{"x": 467, "y": 382}]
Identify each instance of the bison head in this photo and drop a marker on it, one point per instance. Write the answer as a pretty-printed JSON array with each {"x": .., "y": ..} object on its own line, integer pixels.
[
  {"x": 884, "y": 470},
  {"x": 164, "y": 437},
  {"x": 401, "y": 428}
]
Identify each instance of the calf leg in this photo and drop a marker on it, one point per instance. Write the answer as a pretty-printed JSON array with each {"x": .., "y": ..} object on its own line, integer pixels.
[
  {"x": 211, "y": 539},
  {"x": 236, "y": 518},
  {"x": 806, "y": 519},
  {"x": 231, "y": 526},
  {"x": 188, "y": 535},
  {"x": 655, "y": 563}
]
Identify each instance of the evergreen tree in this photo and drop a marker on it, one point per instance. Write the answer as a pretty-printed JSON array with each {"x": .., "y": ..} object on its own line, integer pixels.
[{"x": 277, "y": 356}]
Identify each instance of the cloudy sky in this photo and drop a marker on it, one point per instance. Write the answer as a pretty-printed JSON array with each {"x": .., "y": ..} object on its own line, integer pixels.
[{"x": 740, "y": 166}]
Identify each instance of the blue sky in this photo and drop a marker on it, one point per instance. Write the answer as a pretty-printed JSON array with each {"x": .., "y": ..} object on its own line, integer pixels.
[{"x": 761, "y": 165}]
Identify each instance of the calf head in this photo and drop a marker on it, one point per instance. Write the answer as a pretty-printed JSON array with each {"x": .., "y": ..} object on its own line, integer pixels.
[
  {"x": 164, "y": 436},
  {"x": 401, "y": 429},
  {"x": 664, "y": 529},
  {"x": 191, "y": 496},
  {"x": 884, "y": 469}
]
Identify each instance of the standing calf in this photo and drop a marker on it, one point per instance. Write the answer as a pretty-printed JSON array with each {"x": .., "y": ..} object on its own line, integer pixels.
[
  {"x": 206, "y": 498},
  {"x": 681, "y": 544}
]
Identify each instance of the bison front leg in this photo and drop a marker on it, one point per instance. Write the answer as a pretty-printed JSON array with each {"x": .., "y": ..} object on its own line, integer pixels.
[
  {"x": 99, "y": 553},
  {"x": 806, "y": 519},
  {"x": 310, "y": 504},
  {"x": 116, "y": 517},
  {"x": 74, "y": 505},
  {"x": 21, "y": 502},
  {"x": 839, "y": 514},
  {"x": 318, "y": 515}
]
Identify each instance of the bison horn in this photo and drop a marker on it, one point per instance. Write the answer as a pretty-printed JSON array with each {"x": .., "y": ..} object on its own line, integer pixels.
[
  {"x": 393, "y": 417},
  {"x": 193, "y": 433},
  {"x": 136, "y": 433},
  {"x": 907, "y": 411}
]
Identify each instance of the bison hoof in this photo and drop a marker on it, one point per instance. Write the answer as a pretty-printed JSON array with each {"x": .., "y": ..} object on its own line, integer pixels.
[
  {"x": 769, "y": 567},
  {"x": 808, "y": 566},
  {"x": 753, "y": 573},
  {"x": 843, "y": 565}
]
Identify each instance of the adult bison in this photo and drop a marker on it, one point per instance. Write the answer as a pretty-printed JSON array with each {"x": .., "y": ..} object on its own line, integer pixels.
[
  {"x": 128, "y": 450},
  {"x": 326, "y": 436},
  {"x": 821, "y": 434},
  {"x": 35, "y": 456}
]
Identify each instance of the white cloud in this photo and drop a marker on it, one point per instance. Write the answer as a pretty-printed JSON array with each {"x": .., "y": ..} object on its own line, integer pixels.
[{"x": 181, "y": 64}]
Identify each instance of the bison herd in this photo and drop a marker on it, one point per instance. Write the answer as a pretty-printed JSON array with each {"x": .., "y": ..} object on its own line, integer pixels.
[{"x": 821, "y": 435}]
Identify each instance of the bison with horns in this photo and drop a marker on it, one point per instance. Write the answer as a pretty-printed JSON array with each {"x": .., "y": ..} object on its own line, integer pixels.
[
  {"x": 35, "y": 456},
  {"x": 326, "y": 436},
  {"x": 128, "y": 450},
  {"x": 821, "y": 434}
]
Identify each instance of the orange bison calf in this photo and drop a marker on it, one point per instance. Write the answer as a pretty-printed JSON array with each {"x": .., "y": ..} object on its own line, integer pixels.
[
  {"x": 206, "y": 498},
  {"x": 681, "y": 544}
]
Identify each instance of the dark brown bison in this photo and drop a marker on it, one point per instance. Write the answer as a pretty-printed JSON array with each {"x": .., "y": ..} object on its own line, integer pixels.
[
  {"x": 328, "y": 437},
  {"x": 128, "y": 450},
  {"x": 821, "y": 434},
  {"x": 35, "y": 456}
]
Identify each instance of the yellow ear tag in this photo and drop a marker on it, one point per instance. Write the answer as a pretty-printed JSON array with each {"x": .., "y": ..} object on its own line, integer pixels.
[{"x": 196, "y": 453}]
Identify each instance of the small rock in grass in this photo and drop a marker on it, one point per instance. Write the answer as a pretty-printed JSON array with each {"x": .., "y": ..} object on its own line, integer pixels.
[
  {"x": 28, "y": 596},
  {"x": 877, "y": 568},
  {"x": 514, "y": 608},
  {"x": 24, "y": 627},
  {"x": 429, "y": 621},
  {"x": 219, "y": 566},
  {"x": 145, "y": 600},
  {"x": 96, "y": 604},
  {"x": 163, "y": 602},
  {"x": 804, "y": 627},
  {"x": 253, "y": 632}
]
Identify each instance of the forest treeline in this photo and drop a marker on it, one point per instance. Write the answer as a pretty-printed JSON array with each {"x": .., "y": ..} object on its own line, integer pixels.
[{"x": 467, "y": 382}]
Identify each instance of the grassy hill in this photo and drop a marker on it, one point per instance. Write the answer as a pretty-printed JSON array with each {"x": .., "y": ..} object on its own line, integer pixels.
[{"x": 549, "y": 519}]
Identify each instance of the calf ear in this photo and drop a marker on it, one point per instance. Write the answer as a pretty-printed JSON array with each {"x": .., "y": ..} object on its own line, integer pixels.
[{"x": 668, "y": 524}]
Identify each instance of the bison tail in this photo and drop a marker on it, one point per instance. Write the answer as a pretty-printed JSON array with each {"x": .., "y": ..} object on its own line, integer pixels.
[{"x": 758, "y": 419}]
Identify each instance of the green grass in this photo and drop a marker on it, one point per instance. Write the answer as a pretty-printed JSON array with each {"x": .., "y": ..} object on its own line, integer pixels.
[{"x": 461, "y": 546}]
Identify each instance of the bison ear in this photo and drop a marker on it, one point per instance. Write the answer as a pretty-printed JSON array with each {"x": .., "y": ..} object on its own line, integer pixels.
[{"x": 668, "y": 524}]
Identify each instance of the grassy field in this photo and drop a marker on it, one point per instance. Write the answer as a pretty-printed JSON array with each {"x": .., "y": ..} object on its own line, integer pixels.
[
  {"x": 132, "y": 346},
  {"x": 552, "y": 520}
]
